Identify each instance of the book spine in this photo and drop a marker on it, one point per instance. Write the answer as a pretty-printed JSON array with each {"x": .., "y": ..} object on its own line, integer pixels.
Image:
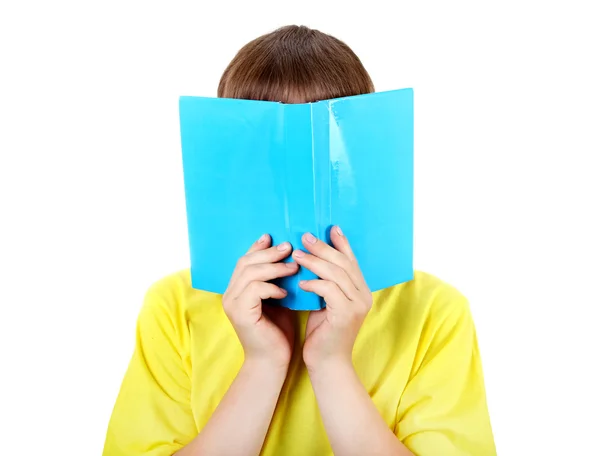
[
  {"x": 298, "y": 196},
  {"x": 321, "y": 158}
]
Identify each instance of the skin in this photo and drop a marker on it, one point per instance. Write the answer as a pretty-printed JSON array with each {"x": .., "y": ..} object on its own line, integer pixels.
[{"x": 352, "y": 422}]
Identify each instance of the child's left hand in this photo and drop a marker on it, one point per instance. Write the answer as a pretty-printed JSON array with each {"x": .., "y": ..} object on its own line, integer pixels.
[{"x": 331, "y": 332}]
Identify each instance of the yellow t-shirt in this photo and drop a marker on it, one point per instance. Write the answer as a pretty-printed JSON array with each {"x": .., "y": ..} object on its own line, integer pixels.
[{"x": 416, "y": 355}]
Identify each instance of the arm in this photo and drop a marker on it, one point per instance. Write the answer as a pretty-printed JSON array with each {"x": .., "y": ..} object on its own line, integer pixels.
[
  {"x": 240, "y": 422},
  {"x": 153, "y": 413},
  {"x": 443, "y": 409},
  {"x": 352, "y": 422}
]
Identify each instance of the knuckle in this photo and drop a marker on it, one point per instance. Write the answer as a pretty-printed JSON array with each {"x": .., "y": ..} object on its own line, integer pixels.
[
  {"x": 275, "y": 252},
  {"x": 254, "y": 287},
  {"x": 242, "y": 274},
  {"x": 228, "y": 305},
  {"x": 357, "y": 313},
  {"x": 343, "y": 260},
  {"x": 337, "y": 272},
  {"x": 282, "y": 268},
  {"x": 273, "y": 270},
  {"x": 243, "y": 261},
  {"x": 329, "y": 286},
  {"x": 263, "y": 272},
  {"x": 332, "y": 270},
  {"x": 318, "y": 247},
  {"x": 252, "y": 271}
]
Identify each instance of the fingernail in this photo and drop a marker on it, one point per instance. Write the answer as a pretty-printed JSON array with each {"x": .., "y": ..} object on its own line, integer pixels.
[
  {"x": 291, "y": 265},
  {"x": 339, "y": 231},
  {"x": 283, "y": 290},
  {"x": 299, "y": 253},
  {"x": 310, "y": 238},
  {"x": 262, "y": 239},
  {"x": 302, "y": 282},
  {"x": 283, "y": 246}
]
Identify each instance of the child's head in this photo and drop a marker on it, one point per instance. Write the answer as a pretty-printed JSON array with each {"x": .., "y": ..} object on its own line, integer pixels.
[{"x": 295, "y": 65}]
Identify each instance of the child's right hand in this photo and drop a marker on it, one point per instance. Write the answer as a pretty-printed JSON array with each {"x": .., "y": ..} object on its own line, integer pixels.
[{"x": 266, "y": 334}]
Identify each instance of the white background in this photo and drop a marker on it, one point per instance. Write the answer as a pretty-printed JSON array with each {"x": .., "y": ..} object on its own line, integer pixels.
[{"x": 92, "y": 206}]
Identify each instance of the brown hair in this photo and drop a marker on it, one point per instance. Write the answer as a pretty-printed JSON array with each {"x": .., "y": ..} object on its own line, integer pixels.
[{"x": 295, "y": 64}]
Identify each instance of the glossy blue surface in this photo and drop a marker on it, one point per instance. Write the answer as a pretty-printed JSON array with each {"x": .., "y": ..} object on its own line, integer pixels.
[{"x": 254, "y": 167}]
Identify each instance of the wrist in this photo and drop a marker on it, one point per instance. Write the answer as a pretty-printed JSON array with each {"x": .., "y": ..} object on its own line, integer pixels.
[
  {"x": 330, "y": 366},
  {"x": 265, "y": 367}
]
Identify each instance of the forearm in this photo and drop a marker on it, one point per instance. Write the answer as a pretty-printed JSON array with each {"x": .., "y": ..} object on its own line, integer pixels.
[
  {"x": 352, "y": 421},
  {"x": 240, "y": 423}
]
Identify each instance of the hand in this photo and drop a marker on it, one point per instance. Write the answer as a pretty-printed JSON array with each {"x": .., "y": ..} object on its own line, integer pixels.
[
  {"x": 266, "y": 333},
  {"x": 331, "y": 332}
]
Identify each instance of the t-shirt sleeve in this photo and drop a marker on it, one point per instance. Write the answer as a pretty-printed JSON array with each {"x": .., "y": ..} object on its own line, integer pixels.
[
  {"x": 152, "y": 415},
  {"x": 443, "y": 410}
]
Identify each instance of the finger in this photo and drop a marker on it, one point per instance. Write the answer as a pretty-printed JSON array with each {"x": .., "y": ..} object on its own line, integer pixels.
[
  {"x": 327, "y": 271},
  {"x": 257, "y": 255},
  {"x": 340, "y": 242},
  {"x": 262, "y": 273},
  {"x": 262, "y": 290},
  {"x": 270, "y": 255},
  {"x": 328, "y": 290},
  {"x": 342, "y": 245},
  {"x": 252, "y": 297},
  {"x": 261, "y": 243},
  {"x": 341, "y": 255}
]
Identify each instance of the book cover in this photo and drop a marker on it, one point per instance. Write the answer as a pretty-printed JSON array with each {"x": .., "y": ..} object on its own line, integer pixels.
[{"x": 254, "y": 167}]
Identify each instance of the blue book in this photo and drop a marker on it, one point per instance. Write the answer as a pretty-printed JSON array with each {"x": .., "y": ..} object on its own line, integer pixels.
[{"x": 254, "y": 167}]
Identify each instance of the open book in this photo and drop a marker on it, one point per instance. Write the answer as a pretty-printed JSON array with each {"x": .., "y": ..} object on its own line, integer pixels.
[{"x": 254, "y": 167}]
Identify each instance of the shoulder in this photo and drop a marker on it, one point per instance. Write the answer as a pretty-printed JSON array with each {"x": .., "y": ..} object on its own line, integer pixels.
[
  {"x": 172, "y": 297},
  {"x": 424, "y": 293},
  {"x": 426, "y": 302},
  {"x": 431, "y": 317},
  {"x": 170, "y": 289},
  {"x": 440, "y": 296}
]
